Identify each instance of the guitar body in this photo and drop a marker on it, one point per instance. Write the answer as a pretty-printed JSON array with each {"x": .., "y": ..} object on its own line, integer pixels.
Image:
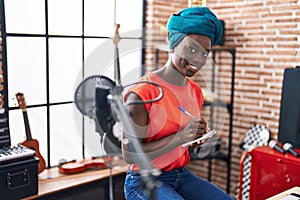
[
  {"x": 34, "y": 145},
  {"x": 30, "y": 142},
  {"x": 76, "y": 166}
]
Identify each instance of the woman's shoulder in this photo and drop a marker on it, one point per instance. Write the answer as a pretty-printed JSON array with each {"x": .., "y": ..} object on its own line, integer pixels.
[
  {"x": 150, "y": 76},
  {"x": 194, "y": 84},
  {"x": 143, "y": 86}
]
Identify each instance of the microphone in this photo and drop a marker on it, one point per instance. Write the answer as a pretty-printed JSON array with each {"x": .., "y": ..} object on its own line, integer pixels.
[
  {"x": 103, "y": 109},
  {"x": 288, "y": 147},
  {"x": 273, "y": 144}
]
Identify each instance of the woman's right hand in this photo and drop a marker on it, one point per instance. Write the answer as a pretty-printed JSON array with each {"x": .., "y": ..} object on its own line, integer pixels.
[
  {"x": 190, "y": 131},
  {"x": 195, "y": 128}
]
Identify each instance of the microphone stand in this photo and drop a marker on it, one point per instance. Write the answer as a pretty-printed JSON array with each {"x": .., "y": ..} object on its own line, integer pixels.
[
  {"x": 102, "y": 135},
  {"x": 147, "y": 171}
]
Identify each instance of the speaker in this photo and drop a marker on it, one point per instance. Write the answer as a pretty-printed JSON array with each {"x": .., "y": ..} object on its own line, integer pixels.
[{"x": 289, "y": 120}]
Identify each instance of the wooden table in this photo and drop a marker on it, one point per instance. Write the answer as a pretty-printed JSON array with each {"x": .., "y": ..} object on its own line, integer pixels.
[{"x": 93, "y": 182}]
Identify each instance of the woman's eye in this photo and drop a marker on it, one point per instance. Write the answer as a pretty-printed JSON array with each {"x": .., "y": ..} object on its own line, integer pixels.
[
  {"x": 192, "y": 50},
  {"x": 204, "y": 54}
]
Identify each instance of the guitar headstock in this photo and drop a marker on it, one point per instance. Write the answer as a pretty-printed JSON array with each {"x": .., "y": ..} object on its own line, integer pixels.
[
  {"x": 116, "y": 38},
  {"x": 21, "y": 100}
]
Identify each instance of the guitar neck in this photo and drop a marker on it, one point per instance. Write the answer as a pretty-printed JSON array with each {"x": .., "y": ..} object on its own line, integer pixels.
[
  {"x": 116, "y": 55},
  {"x": 27, "y": 127},
  {"x": 117, "y": 66}
]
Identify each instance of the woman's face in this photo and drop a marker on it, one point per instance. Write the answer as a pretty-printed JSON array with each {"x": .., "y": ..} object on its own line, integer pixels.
[{"x": 191, "y": 53}]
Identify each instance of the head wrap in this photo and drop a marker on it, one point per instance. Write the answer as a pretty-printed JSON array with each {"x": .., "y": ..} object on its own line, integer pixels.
[{"x": 198, "y": 20}]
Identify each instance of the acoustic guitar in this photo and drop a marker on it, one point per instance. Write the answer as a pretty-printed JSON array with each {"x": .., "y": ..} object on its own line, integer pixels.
[{"x": 30, "y": 142}]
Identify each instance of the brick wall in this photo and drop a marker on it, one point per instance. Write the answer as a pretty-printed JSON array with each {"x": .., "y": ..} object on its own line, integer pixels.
[{"x": 265, "y": 36}]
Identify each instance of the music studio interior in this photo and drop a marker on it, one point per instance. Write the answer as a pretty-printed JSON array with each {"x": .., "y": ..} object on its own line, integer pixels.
[{"x": 54, "y": 54}]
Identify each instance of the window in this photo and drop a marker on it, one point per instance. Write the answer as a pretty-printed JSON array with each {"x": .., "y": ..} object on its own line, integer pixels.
[{"x": 51, "y": 47}]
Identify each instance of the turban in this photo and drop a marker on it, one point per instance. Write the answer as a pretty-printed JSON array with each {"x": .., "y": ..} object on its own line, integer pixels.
[{"x": 198, "y": 20}]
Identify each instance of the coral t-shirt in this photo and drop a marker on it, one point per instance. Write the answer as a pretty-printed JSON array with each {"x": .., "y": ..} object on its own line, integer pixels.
[{"x": 165, "y": 118}]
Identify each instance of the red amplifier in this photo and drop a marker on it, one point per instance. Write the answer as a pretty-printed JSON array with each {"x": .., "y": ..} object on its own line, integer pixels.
[{"x": 265, "y": 172}]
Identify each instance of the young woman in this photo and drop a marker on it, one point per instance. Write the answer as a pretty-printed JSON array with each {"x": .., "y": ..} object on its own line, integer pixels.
[{"x": 161, "y": 126}]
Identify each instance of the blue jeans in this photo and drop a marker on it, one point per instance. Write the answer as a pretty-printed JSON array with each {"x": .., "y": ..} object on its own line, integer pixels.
[{"x": 175, "y": 184}]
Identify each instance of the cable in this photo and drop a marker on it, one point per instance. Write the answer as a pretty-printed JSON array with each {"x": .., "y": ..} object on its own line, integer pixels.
[{"x": 161, "y": 94}]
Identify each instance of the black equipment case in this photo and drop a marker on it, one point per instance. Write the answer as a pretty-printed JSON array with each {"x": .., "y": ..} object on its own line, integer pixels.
[{"x": 19, "y": 179}]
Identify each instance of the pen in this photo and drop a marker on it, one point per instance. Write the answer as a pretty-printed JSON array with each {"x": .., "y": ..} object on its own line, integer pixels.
[
  {"x": 190, "y": 115},
  {"x": 186, "y": 112}
]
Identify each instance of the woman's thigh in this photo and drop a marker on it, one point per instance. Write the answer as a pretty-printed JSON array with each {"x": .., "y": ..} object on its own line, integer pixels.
[
  {"x": 193, "y": 187},
  {"x": 134, "y": 190},
  {"x": 176, "y": 185}
]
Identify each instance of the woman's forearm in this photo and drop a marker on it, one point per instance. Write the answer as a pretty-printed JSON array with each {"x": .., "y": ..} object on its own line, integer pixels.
[{"x": 154, "y": 149}]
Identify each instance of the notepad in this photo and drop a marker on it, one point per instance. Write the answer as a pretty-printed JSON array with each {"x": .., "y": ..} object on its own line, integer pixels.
[{"x": 205, "y": 136}]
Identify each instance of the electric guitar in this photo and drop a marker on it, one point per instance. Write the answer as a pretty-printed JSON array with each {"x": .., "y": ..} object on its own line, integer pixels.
[{"x": 30, "y": 142}]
